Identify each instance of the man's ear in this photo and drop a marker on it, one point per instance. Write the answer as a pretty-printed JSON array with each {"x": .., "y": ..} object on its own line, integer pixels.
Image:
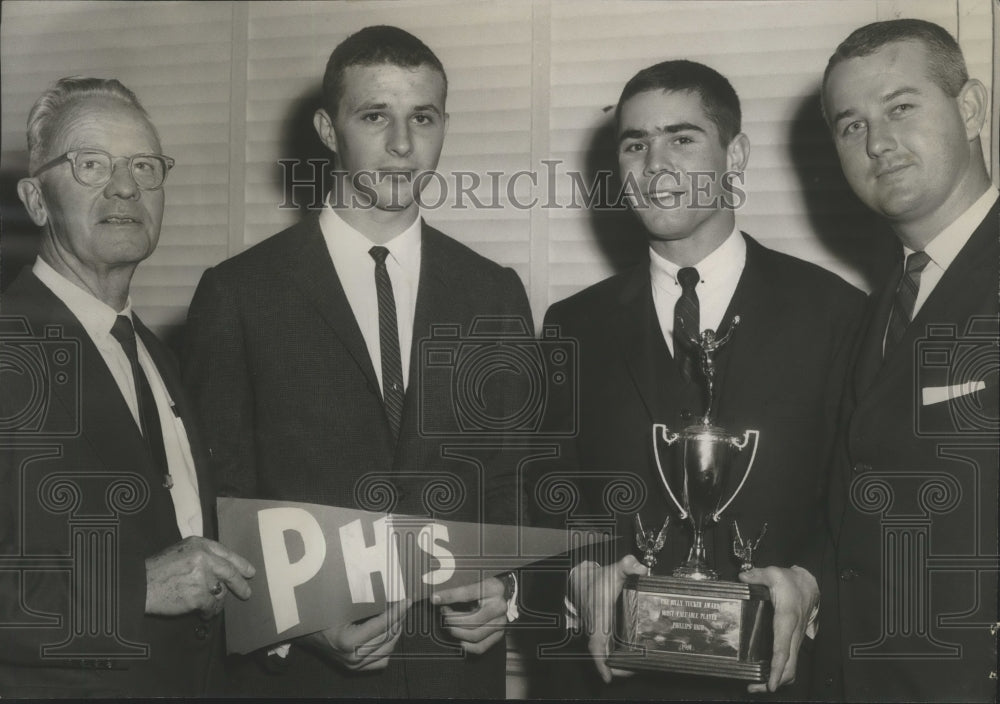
[
  {"x": 738, "y": 153},
  {"x": 30, "y": 193},
  {"x": 323, "y": 124},
  {"x": 972, "y": 104}
]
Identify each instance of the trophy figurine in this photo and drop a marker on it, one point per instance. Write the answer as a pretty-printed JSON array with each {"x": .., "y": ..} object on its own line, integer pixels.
[
  {"x": 693, "y": 622},
  {"x": 743, "y": 549},
  {"x": 649, "y": 541}
]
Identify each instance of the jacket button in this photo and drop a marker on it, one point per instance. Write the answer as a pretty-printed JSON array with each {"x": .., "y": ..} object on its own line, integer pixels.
[
  {"x": 686, "y": 414},
  {"x": 860, "y": 467},
  {"x": 848, "y": 574},
  {"x": 828, "y": 681},
  {"x": 201, "y": 631}
]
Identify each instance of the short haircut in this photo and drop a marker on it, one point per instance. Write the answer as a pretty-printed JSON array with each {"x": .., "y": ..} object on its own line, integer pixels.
[
  {"x": 378, "y": 44},
  {"x": 945, "y": 62},
  {"x": 58, "y": 98},
  {"x": 718, "y": 97}
]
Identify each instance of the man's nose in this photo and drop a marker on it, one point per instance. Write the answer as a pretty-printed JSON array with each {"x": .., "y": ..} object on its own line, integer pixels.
[
  {"x": 400, "y": 142},
  {"x": 657, "y": 160},
  {"x": 880, "y": 138},
  {"x": 121, "y": 184}
]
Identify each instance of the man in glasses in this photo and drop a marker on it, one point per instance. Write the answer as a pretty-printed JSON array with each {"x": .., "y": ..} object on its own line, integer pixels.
[{"x": 111, "y": 587}]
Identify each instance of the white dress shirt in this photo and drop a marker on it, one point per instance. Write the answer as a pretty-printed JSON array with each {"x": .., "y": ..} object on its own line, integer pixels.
[
  {"x": 356, "y": 271},
  {"x": 97, "y": 318},
  {"x": 943, "y": 249},
  {"x": 719, "y": 274}
]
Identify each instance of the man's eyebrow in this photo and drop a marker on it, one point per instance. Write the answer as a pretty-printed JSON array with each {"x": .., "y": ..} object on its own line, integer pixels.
[
  {"x": 905, "y": 90},
  {"x": 849, "y": 112},
  {"x": 887, "y": 98},
  {"x": 668, "y": 129},
  {"x": 428, "y": 107}
]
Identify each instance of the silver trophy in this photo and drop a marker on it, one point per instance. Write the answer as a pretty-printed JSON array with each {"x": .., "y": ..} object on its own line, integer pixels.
[
  {"x": 693, "y": 622},
  {"x": 707, "y": 453}
]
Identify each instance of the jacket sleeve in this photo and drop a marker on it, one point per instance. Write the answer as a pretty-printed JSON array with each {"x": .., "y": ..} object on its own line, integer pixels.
[{"x": 218, "y": 380}]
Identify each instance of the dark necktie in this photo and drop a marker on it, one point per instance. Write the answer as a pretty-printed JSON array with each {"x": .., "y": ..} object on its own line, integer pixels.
[
  {"x": 687, "y": 321},
  {"x": 905, "y": 299},
  {"x": 149, "y": 418},
  {"x": 388, "y": 335}
]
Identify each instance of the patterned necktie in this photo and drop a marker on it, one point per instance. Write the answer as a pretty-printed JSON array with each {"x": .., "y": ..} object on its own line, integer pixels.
[
  {"x": 149, "y": 417},
  {"x": 388, "y": 335},
  {"x": 687, "y": 321},
  {"x": 905, "y": 299}
]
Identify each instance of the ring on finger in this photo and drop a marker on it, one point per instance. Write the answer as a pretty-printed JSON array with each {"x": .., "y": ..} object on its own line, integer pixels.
[{"x": 217, "y": 589}]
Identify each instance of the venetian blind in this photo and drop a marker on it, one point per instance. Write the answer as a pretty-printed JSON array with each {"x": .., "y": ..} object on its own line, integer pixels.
[
  {"x": 774, "y": 54},
  {"x": 176, "y": 57}
]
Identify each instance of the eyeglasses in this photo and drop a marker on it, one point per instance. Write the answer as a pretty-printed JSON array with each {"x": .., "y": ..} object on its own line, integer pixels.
[{"x": 94, "y": 167}]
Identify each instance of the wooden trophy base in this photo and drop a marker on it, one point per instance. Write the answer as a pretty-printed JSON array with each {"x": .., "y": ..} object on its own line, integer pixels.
[{"x": 711, "y": 628}]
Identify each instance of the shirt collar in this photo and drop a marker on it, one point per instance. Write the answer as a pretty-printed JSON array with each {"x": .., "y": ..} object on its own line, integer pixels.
[
  {"x": 945, "y": 246},
  {"x": 96, "y": 316},
  {"x": 724, "y": 261},
  {"x": 347, "y": 242}
]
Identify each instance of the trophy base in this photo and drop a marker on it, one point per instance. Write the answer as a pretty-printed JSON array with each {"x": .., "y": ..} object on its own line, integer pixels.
[{"x": 712, "y": 628}]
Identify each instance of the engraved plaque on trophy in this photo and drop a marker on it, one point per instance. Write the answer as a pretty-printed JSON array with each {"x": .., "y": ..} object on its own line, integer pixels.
[{"x": 692, "y": 622}]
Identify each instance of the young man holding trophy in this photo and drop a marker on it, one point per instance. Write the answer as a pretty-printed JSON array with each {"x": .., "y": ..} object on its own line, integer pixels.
[{"x": 687, "y": 413}]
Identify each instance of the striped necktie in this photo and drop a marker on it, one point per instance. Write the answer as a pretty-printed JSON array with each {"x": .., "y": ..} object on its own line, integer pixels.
[
  {"x": 388, "y": 335},
  {"x": 905, "y": 299}
]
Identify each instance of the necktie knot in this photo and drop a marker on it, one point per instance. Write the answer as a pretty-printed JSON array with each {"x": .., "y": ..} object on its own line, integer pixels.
[
  {"x": 379, "y": 254},
  {"x": 123, "y": 331},
  {"x": 688, "y": 278},
  {"x": 916, "y": 262}
]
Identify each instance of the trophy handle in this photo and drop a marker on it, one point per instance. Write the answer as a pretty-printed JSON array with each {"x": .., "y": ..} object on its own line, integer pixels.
[
  {"x": 739, "y": 445},
  {"x": 669, "y": 438}
]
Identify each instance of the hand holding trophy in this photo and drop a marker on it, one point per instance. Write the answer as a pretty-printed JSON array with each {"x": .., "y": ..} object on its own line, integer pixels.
[{"x": 692, "y": 622}]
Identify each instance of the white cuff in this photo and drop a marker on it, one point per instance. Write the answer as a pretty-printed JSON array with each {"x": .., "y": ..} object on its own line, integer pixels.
[{"x": 512, "y": 613}]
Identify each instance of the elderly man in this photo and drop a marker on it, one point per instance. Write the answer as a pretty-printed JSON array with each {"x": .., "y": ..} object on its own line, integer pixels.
[
  {"x": 109, "y": 586},
  {"x": 304, "y": 352},
  {"x": 914, "y": 492}
]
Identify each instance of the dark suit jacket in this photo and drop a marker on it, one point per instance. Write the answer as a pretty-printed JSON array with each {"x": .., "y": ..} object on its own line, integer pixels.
[
  {"x": 293, "y": 411},
  {"x": 69, "y": 452},
  {"x": 781, "y": 373},
  {"x": 913, "y": 500}
]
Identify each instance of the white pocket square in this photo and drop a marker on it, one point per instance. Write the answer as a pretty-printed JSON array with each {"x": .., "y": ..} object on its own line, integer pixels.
[{"x": 939, "y": 394}]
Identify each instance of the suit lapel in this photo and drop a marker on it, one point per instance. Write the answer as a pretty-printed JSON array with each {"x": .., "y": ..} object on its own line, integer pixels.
[
  {"x": 869, "y": 362},
  {"x": 646, "y": 354},
  {"x": 106, "y": 421},
  {"x": 313, "y": 273},
  {"x": 972, "y": 271},
  {"x": 755, "y": 301}
]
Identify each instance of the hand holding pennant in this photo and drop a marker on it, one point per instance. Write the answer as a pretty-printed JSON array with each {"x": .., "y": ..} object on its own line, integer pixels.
[{"x": 325, "y": 566}]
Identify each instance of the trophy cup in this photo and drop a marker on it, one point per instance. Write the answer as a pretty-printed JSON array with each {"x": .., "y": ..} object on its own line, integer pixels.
[{"x": 692, "y": 622}]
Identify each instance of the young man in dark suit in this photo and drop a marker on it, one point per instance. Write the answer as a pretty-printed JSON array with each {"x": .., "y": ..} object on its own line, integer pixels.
[
  {"x": 679, "y": 149},
  {"x": 913, "y": 500},
  {"x": 109, "y": 587},
  {"x": 304, "y": 356}
]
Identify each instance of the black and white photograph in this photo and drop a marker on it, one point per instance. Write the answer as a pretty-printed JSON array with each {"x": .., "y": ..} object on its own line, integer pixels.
[{"x": 442, "y": 349}]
